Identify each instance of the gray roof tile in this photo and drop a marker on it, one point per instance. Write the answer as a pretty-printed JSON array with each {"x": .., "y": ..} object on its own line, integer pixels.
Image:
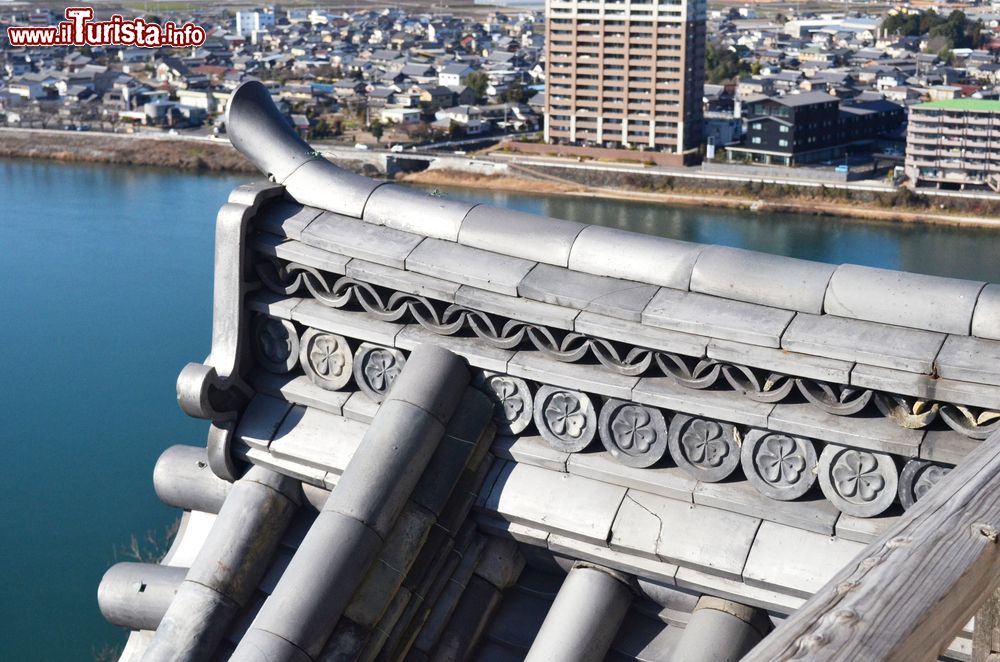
[
  {"x": 917, "y": 301},
  {"x": 573, "y": 506},
  {"x": 667, "y": 481},
  {"x": 469, "y": 266},
  {"x": 864, "y": 342},
  {"x": 608, "y": 296},
  {"x": 771, "y": 280},
  {"x": 355, "y": 238},
  {"x": 723, "y": 405},
  {"x": 416, "y": 212},
  {"x": 640, "y": 335},
  {"x": 799, "y": 562},
  {"x": 527, "y": 236},
  {"x": 986, "y": 319},
  {"x": 872, "y": 433},
  {"x": 706, "y": 315},
  {"x": 970, "y": 359},
  {"x": 516, "y": 308},
  {"x": 714, "y": 541},
  {"x": 631, "y": 256}
]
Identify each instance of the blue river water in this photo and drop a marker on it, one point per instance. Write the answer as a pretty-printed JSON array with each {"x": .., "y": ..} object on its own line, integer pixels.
[{"x": 107, "y": 275}]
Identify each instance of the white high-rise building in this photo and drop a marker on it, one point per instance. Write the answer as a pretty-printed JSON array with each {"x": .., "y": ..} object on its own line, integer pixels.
[{"x": 248, "y": 22}]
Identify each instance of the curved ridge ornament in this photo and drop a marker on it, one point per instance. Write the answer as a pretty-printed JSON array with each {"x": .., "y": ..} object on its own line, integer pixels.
[
  {"x": 757, "y": 384},
  {"x": 837, "y": 399},
  {"x": 905, "y": 411},
  {"x": 689, "y": 372},
  {"x": 973, "y": 422}
]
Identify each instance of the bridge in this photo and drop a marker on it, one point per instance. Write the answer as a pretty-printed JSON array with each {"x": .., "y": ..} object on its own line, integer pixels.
[
  {"x": 439, "y": 430},
  {"x": 385, "y": 162}
]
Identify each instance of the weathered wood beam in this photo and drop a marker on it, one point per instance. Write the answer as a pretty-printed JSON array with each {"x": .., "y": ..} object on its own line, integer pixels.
[
  {"x": 909, "y": 593},
  {"x": 986, "y": 634}
]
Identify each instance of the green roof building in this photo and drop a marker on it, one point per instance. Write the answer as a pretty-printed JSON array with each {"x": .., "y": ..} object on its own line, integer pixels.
[{"x": 954, "y": 144}]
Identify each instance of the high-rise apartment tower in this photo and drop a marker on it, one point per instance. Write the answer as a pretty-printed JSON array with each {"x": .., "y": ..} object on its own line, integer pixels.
[{"x": 625, "y": 73}]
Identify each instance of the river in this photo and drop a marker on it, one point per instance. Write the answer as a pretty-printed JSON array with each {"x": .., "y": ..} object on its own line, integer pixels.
[{"x": 107, "y": 275}]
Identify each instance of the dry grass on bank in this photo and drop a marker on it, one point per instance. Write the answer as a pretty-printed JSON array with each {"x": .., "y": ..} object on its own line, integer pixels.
[{"x": 97, "y": 148}]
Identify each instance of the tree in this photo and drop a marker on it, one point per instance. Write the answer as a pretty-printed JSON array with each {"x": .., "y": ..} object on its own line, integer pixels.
[
  {"x": 478, "y": 82},
  {"x": 723, "y": 64},
  {"x": 952, "y": 31},
  {"x": 514, "y": 94},
  {"x": 377, "y": 129},
  {"x": 326, "y": 127}
]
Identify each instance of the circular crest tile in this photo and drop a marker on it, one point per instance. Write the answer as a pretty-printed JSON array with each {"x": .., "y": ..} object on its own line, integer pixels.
[
  {"x": 860, "y": 483},
  {"x": 633, "y": 434},
  {"x": 512, "y": 402},
  {"x": 376, "y": 368},
  {"x": 705, "y": 449},
  {"x": 275, "y": 344},
  {"x": 326, "y": 358},
  {"x": 778, "y": 465},
  {"x": 565, "y": 418},
  {"x": 917, "y": 478}
]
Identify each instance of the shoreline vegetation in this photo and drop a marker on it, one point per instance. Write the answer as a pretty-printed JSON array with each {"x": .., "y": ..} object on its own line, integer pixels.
[{"x": 203, "y": 155}]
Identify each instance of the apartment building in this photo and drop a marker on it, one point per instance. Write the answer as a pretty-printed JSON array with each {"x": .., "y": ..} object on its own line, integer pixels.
[
  {"x": 954, "y": 144},
  {"x": 813, "y": 127},
  {"x": 626, "y": 73},
  {"x": 248, "y": 22}
]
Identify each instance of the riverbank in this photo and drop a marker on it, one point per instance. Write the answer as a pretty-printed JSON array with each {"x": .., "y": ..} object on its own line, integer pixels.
[
  {"x": 203, "y": 154},
  {"x": 124, "y": 149},
  {"x": 902, "y": 206}
]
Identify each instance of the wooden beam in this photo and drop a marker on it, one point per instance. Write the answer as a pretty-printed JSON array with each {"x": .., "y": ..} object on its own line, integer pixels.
[
  {"x": 986, "y": 633},
  {"x": 906, "y": 595}
]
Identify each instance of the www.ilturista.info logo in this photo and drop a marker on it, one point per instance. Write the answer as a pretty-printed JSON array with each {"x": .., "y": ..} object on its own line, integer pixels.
[{"x": 78, "y": 30}]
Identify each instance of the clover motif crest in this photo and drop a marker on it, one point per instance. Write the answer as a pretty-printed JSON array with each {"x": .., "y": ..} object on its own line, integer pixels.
[
  {"x": 929, "y": 477},
  {"x": 326, "y": 358},
  {"x": 565, "y": 416},
  {"x": 275, "y": 343},
  {"x": 632, "y": 430},
  {"x": 779, "y": 460},
  {"x": 703, "y": 443},
  {"x": 856, "y": 475},
  {"x": 510, "y": 398},
  {"x": 381, "y": 369}
]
